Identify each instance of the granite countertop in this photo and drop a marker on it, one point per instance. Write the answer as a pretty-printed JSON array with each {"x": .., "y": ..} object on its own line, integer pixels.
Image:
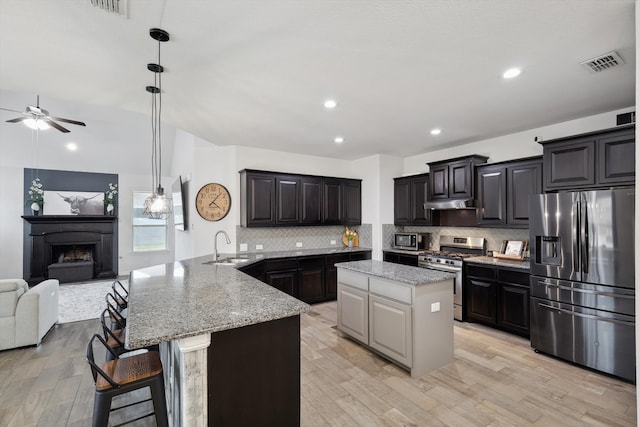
[
  {"x": 188, "y": 298},
  {"x": 405, "y": 251},
  {"x": 253, "y": 257},
  {"x": 414, "y": 276},
  {"x": 524, "y": 265}
]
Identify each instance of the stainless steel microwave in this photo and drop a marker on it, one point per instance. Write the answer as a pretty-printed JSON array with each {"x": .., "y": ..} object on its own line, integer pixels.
[{"x": 411, "y": 241}]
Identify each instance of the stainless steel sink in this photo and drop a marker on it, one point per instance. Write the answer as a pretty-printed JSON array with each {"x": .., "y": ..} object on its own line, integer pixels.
[{"x": 228, "y": 261}]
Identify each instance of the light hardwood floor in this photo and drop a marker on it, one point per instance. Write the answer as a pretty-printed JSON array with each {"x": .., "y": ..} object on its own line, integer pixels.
[{"x": 495, "y": 380}]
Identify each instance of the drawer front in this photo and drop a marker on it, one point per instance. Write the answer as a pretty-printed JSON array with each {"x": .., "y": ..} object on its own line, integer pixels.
[
  {"x": 359, "y": 281},
  {"x": 513, "y": 276},
  {"x": 477, "y": 270},
  {"x": 390, "y": 289},
  {"x": 282, "y": 264}
]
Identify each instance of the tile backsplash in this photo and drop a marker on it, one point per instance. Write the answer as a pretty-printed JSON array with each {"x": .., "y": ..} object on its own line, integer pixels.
[
  {"x": 494, "y": 236},
  {"x": 287, "y": 238}
]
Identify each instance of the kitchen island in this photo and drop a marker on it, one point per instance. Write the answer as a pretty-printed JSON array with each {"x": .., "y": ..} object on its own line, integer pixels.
[
  {"x": 230, "y": 344},
  {"x": 401, "y": 312}
]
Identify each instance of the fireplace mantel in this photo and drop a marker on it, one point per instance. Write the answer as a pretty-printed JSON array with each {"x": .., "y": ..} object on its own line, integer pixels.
[
  {"x": 43, "y": 232},
  {"x": 39, "y": 219}
]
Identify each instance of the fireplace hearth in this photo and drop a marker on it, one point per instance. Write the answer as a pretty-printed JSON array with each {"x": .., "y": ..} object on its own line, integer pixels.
[{"x": 70, "y": 248}]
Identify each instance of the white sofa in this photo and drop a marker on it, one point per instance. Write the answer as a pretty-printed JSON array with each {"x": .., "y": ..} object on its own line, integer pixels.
[{"x": 26, "y": 315}]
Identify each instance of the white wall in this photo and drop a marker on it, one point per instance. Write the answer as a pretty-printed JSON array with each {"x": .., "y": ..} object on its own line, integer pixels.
[
  {"x": 515, "y": 145},
  {"x": 637, "y": 207},
  {"x": 377, "y": 173},
  {"x": 11, "y": 224}
]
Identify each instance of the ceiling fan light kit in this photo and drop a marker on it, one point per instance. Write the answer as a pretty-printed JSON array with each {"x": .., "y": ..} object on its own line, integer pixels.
[
  {"x": 158, "y": 205},
  {"x": 39, "y": 119}
]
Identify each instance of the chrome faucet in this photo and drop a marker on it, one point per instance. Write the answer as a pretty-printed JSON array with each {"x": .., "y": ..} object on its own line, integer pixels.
[{"x": 215, "y": 243}]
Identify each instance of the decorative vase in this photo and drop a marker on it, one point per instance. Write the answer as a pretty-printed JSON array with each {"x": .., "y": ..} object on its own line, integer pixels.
[
  {"x": 35, "y": 208},
  {"x": 350, "y": 243},
  {"x": 111, "y": 210}
]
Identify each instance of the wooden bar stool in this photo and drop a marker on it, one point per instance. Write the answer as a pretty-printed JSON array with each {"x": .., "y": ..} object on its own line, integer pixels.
[
  {"x": 115, "y": 301},
  {"x": 119, "y": 376},
  {"x": 113, "y": 336},
  {"x": 120, "y": 291}
]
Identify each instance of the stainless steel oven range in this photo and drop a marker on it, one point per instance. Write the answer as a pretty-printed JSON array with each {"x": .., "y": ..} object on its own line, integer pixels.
[{"x": 449, "y": 258}]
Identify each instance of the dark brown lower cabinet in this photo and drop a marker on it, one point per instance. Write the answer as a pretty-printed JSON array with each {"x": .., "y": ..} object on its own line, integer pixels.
[
  {"x": 398, "y": 258},
  {"x": 311, "y": 279},
  {"x": 331, "y": 278},
  {"x": 282, "y": 274},
  {"x": 497, "y": 296},
  {"x": 254, "y": 375}
]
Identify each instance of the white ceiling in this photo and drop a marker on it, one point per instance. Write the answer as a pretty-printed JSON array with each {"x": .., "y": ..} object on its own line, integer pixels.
[{"x": 256, "y": 73}]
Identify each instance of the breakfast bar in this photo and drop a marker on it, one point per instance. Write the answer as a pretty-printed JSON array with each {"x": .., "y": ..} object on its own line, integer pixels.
[{"x": 227, "y": 341}]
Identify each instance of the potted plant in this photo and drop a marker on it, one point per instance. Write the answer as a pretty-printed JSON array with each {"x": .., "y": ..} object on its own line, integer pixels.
[
  {"x": 111, "y": 199},
  {"x": 36, "y": 196}
]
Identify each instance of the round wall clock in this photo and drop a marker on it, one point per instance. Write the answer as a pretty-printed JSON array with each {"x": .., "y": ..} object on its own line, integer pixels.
[{"x": 213, "y": 202}]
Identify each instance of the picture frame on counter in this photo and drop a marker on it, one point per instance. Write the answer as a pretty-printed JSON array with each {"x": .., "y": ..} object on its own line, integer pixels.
[{"x": 513, "y": 249}]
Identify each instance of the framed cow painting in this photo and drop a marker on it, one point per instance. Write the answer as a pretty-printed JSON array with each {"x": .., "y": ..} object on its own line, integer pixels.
[{"x": 73, "y": 203}]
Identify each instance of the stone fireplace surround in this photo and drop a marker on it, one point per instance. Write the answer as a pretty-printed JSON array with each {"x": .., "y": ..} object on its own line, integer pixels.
[{"x": 44, "y": 235}]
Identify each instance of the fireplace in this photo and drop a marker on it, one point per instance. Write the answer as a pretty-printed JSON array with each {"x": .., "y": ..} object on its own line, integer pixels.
[{"x": 70, "y": 248}]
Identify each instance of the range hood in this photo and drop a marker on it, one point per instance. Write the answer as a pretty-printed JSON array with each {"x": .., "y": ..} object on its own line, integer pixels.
[{"x": 450, "y": 204}]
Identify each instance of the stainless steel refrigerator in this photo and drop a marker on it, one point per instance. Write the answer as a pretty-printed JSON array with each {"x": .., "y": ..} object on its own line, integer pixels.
[{"x": 582, "y": 278}]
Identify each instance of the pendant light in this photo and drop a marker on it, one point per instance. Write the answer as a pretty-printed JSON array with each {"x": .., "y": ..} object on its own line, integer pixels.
[{"x": 158, "y": 205}]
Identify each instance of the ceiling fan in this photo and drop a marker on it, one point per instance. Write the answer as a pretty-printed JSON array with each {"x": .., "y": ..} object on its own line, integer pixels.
[{"x": 39, "y": 118}]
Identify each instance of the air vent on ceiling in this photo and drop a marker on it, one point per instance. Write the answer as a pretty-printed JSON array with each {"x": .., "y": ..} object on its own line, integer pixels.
[
  {"x": 119, "y": 7},
  {"x": 602, "y": 62}
]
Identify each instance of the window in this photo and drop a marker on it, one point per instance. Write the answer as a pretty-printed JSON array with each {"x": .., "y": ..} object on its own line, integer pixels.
[{"x": 148, "y": 234}]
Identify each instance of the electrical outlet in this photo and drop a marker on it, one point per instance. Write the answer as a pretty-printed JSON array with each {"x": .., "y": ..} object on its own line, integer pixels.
[
  {"x": 298, "y": 244},
  {"x": 259, "y": 247},
  {"x": 333, "y": 242},
  {"x": 435, "y": 306},
  {"x": 244, "y": 247}
]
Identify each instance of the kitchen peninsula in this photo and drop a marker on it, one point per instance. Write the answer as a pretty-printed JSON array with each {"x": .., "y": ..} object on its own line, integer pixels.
[
  {"x": 227, "y": 341},
  {"x": 402, "y": 312}
]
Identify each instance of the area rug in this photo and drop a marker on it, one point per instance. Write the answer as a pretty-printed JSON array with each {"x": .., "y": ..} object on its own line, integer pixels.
[{"x": 82, "y": 301}]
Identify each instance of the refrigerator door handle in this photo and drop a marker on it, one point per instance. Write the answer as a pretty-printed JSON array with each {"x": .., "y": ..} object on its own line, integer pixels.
[
  {"x": 584, "y": 237},
  {"x": 574, "y": 236},
  {"x": 587, "y": 316},
  {"x": 589, "y": 291}
]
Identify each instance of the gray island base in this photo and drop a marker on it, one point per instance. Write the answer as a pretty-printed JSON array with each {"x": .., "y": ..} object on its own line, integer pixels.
[
  {"x": 230, "y": 344},
  {"x": 403, "y": 313}
]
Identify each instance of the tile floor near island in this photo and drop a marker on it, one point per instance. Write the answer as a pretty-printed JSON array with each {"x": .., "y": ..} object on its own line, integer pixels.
[{"x": 495, "y": 380}]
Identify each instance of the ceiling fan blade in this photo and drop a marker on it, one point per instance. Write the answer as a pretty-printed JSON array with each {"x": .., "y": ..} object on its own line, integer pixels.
[
  {"x": 55, "y": 125},
  {"x": 15, "y": 111},
  {"x": 19, "y": 119},
  {"x": 73, "y": 122}
]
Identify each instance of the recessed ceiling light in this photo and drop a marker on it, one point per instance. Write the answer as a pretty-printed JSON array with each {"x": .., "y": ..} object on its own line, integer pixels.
[
  {"x": 511, "y": 73},
  {"x": 330, "y": 104},
  {"x": 71, "y": 146},
  {"x": 436, "y": 131},
  {"x": 338, "y": 140}
]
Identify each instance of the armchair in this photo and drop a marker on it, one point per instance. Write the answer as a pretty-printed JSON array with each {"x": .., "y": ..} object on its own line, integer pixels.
[{"x": 26, "y": 315}]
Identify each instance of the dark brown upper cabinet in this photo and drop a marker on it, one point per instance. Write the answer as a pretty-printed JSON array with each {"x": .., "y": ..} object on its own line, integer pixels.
[
  {"x": 453, "y": 178},
  {"x": 311, "y": 200},
  {"x": 504, "y": 189},
  {"x": 272, "y": 199},
  {"x": 596, "y": 159},
  {"x": 409, "y": 195},
  {"x": 332, "y": 207},
  {"x": 258, "y": 199},
  {"x": 287, "y": 200},
  {"x": 352, "y": 202},
  {"x": 342, "y": 201}
]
